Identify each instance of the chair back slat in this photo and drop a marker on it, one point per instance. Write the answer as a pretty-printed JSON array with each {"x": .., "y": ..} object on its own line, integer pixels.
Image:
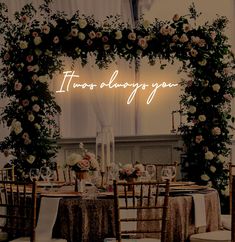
[
  {"x": 7, "y": 174},
  {"x": 151, "y": 196},
  {"x": 20, "y": 208},
  {"x": 160, "y": 166}
]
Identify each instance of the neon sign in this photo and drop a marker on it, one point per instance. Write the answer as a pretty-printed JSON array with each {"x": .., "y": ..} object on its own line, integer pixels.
[{"x": 69, "y": 76}]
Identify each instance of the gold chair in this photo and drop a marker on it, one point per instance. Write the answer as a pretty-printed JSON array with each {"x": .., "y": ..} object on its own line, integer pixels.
[
  {"x": 7, "y": 174},
  {"x": 64, "y": 174},
  {"x": 160, "y": 166},
  {"x": 19, "y": 201},
  {"x": 145, "y": 197}
]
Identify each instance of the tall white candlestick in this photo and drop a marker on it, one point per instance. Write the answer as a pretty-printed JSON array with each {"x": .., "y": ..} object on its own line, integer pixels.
[{"x": 102, "y": 168}]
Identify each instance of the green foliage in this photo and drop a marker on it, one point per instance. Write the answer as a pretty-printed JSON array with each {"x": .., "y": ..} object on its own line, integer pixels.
[{"x": 31, "y": 56}]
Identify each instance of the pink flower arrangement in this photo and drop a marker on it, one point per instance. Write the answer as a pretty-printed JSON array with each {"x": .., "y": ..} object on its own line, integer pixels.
[
  {"x": 82, "y": 161},
  {"x": 131, "y": 171}
]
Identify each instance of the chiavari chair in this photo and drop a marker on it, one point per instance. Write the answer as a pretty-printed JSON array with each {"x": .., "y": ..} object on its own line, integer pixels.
[
  {"x": 160, "y": 166},
  {"x": 7, "y": 174},
  {"x": 145, "y": 197}
]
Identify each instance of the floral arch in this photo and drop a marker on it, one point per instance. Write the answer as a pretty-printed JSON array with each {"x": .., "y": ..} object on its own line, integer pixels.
[{"x": 30, "y": 57}]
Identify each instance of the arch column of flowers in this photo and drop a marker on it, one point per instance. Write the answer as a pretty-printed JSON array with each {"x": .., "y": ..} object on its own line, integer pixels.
[{"x": 30, "y": 57}]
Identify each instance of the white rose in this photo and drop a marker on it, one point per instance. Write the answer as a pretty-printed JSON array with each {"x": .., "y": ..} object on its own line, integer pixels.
[
  {"x": 205, "y": 83},
  {"x": 81, "y": 36},
  {"x": 18, "y": 130},
  {"x": 192, "y": 109},
  {"x": 82, "y": 23},
  {"x": 222, "y": 158},
  {"x": 46, "y": 29},
  {"x": 209, "y": 155},
  {"x": 205, "y": 177},
  {"x": 36, "y": 107},
  {"x": 118, "y": 34},
  {"x": 31, "y": 159},
  {"x": 74, "y": 32},
  {"x": 31, "y": 117},
  {"x": 176, "y": 18},
  {"x": 146, "y": 24},
  {"x": 37, "y": 40},
  {"x": 92, "y": 34},
  {"x": 38, "y": 52},
  {"x": 139, "y": 167},
  {"x": 23, "y": 44},
  {"x": 73, "y": 159},
  {"x": 213, "y": 169},
  {"x": 193, "y": 52},
  {"x": 17, "y": 124},
  {"x": 94, "y": 164},
  {"x": 44, "y": 78},
  {"x": 206, "y": 99},
  {"x": 142, "y": 43},
  {"x": 183, "y": 38},
  {"x": 37, "y": 126},
  {"x": 186, "y": 27},
  {"x": 132, "y": 36},
  {"x": 216, "y": 131},
  {"x": 202, "y": 118},
  {"x": 203, "y": 62},
  {"x": 216, "y": 87},
  {"x": 225, "y": 191}
]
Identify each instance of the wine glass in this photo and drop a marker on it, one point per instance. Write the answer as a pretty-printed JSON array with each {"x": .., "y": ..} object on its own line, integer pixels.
[
  {"x": 45, "y": 172},
  {"x": 168, "y": 173},
  {"x": 34, "y": 174},
  {"x": 151, "y": 169}
]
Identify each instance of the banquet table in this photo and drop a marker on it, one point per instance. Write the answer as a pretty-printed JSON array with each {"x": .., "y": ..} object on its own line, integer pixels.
[{"x": 91, "y": 220}]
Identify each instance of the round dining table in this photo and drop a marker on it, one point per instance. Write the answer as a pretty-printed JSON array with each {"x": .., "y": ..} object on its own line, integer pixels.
[{"x": 91, "y": 219}]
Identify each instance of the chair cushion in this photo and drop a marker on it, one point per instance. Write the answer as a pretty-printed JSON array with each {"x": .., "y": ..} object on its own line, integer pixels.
[
  {"x": 133, "y": 240},
  {"x": 219, "y": 236},
  {"x": 226, "y": 220}
]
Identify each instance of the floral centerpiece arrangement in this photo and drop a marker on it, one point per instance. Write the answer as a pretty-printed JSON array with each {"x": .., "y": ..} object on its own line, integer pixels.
[
  {"x": 83, "y": 160},
  {"x": 129, "y": 172}
]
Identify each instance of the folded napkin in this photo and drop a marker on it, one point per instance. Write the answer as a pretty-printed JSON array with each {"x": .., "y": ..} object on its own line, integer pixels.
[
  {"x": 47, "y": 217},
  {"x": 199, "y": 210}
]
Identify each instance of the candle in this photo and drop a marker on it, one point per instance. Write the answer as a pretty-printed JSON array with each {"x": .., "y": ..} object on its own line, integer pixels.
[
  {"x": 102, "y": 165},
  {"x": 172, "y": 121},
  {"x": 108, "y": 155}
]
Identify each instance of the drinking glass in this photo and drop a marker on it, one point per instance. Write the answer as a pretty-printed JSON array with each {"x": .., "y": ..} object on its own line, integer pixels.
[
  {"x": 168, "y": 173},
  {"x": 34, "y": 174},
  {"x": 45, "y": 172}
]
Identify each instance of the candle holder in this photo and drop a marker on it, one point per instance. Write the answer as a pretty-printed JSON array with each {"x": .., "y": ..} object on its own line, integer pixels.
[{"x": 102, "y": 179}]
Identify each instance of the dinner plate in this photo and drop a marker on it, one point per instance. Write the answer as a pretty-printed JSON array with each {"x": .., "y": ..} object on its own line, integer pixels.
[
  {"x": 185, "y": 183},
  {"x": 62, "y": 194},
  {"x": 50, "y": 184},
  {"x": 187, "y": 189},
  {"x": 191, "y": 187}
]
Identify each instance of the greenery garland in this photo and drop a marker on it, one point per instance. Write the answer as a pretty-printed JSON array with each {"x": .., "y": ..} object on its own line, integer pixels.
[{"x": 31, "y": 54}]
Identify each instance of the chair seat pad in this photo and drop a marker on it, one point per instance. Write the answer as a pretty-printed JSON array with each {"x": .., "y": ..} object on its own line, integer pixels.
[
  {"x": 3, "y": 236},
  {"x": 27, "y": 239},
  {"x": 133, "y": 240},
  {"x": 226, "y": 220},
  {"x": 219, "y": 236}
]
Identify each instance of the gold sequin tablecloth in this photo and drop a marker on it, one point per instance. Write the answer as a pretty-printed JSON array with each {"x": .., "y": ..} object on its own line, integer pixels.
[{"x": 91, "y": 220}]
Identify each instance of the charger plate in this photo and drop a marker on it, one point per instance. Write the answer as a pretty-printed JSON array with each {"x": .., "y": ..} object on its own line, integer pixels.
[
  {"x": 185, "y": 189},
  {"x": 61, "y": 194}
]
